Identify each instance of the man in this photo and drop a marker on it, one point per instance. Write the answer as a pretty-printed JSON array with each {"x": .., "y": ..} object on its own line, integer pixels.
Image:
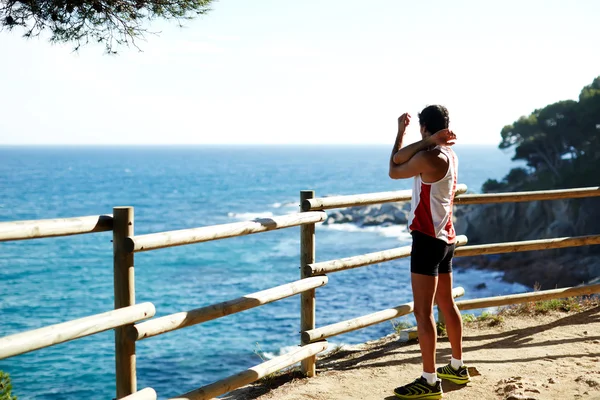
[{"x": 434, "y": 166}]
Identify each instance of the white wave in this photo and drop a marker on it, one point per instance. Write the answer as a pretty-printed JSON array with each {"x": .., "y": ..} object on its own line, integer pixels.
[
  {"x": 288, "y": 248},
  {"x": 331, "y": 347},
  {"x": 284, "y": 205},
  {"x": 344, "y": 227},
  {"x": 285, "y": 248},
  {"x": 335, "y": 347},
  {"x": 284, "y": 350},
  {"x": 395, "y": 231},
  {"x": 249, "y": 215}
]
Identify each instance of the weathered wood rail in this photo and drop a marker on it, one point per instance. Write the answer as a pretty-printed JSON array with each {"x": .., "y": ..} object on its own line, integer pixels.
[
  {"x": 180, "y": 320},
  {"x": 36, "y": 339},
  {"x": 45, "y": 228},
  {"x": 126, "y": 318}
]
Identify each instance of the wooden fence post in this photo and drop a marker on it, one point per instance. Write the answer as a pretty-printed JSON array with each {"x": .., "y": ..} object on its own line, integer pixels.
[
  {"x": 307, "y": 299},
  {"x": 124, "y": 285}
]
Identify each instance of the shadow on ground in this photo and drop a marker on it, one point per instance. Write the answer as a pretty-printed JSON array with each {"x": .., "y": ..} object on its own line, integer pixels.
[{"x": 380, "y": 353}]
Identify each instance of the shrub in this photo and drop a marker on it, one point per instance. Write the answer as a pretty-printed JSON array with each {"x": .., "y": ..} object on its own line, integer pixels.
[
  {"x": 6, "y": 387},
  {"x": 492, "y": 185},
  {"x": 399, "y": 326},
  {"x": 469, "y": 318}
]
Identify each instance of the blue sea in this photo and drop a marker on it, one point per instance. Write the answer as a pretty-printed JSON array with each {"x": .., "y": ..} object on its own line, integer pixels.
[{"x": 47, "y": 281}]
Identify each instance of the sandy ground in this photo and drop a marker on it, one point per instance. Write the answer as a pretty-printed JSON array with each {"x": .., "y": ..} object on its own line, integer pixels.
[{"x": 554, "y": 356}]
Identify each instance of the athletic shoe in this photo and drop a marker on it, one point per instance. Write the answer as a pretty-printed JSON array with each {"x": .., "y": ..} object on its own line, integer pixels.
[
  {"x": 420, "y": 389},
  {"x": 460, "y": 376}
]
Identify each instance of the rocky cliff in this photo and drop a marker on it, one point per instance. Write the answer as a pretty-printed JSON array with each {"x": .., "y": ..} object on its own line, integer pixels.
[
  {"x": 493, "y": 223},
  {"x": 508, "y": 222}
]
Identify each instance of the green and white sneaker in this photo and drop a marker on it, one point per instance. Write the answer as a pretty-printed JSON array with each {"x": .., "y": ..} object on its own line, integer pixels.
[
  {"x": 459, "y": 376},
  {"x": 420, "y": 389}
]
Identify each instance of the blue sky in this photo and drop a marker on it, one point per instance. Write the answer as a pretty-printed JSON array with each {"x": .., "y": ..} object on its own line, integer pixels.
[{"x": 285, "y": 71}]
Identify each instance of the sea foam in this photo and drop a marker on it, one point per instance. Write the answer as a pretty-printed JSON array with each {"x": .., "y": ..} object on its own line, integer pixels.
[
  {"x": 395, "y": 231},
  {"x": 250, "y": 215}
]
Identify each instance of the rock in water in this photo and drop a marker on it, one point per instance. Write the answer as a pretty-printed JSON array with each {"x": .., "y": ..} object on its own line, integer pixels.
[{"x": 374, "y": 215}]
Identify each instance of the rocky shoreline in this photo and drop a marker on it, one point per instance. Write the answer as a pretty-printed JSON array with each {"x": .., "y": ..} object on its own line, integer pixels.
[
  {"x": 385, "y": 214},
  {"x": 494, "y": 223}
]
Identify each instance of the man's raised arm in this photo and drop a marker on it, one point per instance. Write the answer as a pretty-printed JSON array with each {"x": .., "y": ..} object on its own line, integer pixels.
[
  {"x": 400, "y": 154},
  {"x": 403, "y": 122}
]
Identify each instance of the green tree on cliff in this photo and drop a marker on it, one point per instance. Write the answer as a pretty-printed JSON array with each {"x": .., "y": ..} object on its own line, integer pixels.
[
  {"x": 6, "y": 387},
  {"x": 560, "y": 144},
  {"x": 112, "y": 22}
]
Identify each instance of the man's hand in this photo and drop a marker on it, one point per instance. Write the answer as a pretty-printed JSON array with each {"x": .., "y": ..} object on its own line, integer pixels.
[
  {"x": 444, "y": 137},
  {"x": 403, "y": 122}
]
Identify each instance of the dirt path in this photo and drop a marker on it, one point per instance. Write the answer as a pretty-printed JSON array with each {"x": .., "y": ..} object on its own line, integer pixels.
[{"x": 555, "y": 356}]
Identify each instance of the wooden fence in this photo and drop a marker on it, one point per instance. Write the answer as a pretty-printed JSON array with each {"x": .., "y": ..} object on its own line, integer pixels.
[{"x": 126, "y": 316}]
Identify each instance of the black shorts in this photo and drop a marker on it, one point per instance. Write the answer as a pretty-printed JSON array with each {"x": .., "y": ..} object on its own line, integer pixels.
[{"x": 430, "y": 256}]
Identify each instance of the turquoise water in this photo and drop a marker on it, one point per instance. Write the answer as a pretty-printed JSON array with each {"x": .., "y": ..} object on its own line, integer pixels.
[{"x": 47, "y": 281}]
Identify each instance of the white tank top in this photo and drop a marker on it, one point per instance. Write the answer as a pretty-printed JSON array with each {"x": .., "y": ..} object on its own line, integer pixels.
[{"x": 431, "y": 204}]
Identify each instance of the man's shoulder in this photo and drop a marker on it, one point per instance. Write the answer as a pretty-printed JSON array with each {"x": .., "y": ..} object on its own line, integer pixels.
[
  {"x": 433, "y": 155},
  {"x": 424, "y": 156},
  {"x": 435, "y": 158}
]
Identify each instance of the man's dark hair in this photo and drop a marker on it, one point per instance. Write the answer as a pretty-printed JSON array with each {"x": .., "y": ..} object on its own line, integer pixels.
[{"x": 434, "y": 118}]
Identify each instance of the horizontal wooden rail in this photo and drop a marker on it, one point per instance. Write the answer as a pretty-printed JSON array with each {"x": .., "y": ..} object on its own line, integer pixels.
[
  {"x": 25, "y": 342},
  {"x": 326, "y": 203},
  {"x": 527, "y": 245},
  {"x": 514, "y": 197},
  {"x": 527, "y": 297},
  {"x": 180, "y": 320},
  {"x": 364, "y": 321},
  {"x": 204, "y": 234},
  {"x": 43, "y": 228},
  {"x": 343, "y": 264},
  {"x": 253, "y": 374},
  {"x": 144, "y": 394}
]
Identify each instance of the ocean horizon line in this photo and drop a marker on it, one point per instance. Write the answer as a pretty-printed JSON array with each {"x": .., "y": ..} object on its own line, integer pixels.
[{"x": 62, "y": 145}]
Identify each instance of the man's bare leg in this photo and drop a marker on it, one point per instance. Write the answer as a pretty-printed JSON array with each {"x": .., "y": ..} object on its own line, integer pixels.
[
  {"x": 424, "y": 287},
  {"x": 453, "y": 319}
]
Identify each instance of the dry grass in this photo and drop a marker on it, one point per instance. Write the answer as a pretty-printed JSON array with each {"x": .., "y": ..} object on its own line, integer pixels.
[
  {"x": 533, "y": 308},
  {"x": 570, "y": 304},
  {"x": 276, "y": 378},
  {"x": 399, "y": 326}
]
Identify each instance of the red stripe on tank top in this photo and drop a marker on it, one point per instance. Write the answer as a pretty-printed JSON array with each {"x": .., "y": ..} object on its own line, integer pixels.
[
  {"x": 423, "y": 220},
  {"x": 450, "y": 225}
]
